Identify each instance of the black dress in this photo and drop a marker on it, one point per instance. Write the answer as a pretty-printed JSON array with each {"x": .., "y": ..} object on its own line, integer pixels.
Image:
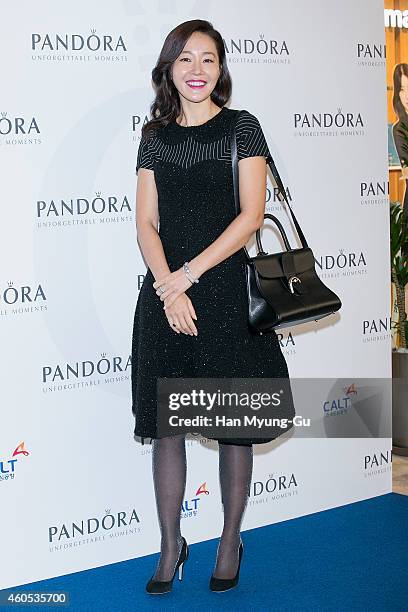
[
  {"x": 402, "y": 150},
  {"x": 193, "y": 174}
]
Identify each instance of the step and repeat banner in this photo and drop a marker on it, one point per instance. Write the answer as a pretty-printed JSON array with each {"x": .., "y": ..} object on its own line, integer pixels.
[{"x": 76, "y": 488}]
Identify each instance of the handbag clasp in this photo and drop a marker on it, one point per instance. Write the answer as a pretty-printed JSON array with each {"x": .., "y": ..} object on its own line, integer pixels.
[{"x": 293, "y": 279}]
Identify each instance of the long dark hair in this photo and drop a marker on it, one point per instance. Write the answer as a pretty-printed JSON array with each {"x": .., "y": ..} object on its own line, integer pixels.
[
  {"x": 399, "y": 70},
  {"x": 166, "y": 106}
]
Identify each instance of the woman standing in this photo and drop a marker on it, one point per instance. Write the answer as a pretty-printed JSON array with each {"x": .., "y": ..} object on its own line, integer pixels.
[
  {"x": 184, "y": 328},
  {"x": 400, "y": 130}
]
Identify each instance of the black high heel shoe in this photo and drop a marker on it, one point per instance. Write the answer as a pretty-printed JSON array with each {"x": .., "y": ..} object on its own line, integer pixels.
[
  {"x": 225, "y": 584},
  {"x": 157, "y": 587}
]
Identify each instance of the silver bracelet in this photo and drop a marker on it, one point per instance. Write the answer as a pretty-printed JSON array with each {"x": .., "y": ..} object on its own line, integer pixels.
[{"x": 188, "y": 273}]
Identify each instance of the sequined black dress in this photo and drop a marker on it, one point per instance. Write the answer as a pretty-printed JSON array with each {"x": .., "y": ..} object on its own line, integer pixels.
[{"x": 192, "y": 170}]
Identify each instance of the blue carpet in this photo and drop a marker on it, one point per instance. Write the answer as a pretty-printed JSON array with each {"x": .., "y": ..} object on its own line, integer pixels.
[{"x": 350, "y": 558}]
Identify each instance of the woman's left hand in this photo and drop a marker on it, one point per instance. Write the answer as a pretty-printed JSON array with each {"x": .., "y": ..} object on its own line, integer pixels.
[{"x": 174, "y": 284}]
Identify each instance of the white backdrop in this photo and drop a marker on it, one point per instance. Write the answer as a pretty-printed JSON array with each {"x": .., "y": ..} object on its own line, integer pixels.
[{"x": 76, "y": 489}]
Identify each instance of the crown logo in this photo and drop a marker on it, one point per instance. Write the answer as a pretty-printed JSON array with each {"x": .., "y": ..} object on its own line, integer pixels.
[
  {"x": 98, "y": 194},
  {"x": 10, "y": 283},
  {"x": 103, "y": 354}
]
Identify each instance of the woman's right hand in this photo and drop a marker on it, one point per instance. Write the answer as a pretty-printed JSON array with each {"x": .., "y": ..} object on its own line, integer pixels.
[{"x": 180, "y": 315}]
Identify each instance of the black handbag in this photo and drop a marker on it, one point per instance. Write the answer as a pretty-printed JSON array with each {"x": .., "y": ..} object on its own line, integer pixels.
[{"x": 283, "y": 288}]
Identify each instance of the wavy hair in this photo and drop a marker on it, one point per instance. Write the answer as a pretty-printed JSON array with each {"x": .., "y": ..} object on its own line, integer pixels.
[
  {"x": 166, "y": 106},
  {"x": 399, "y": 70}
]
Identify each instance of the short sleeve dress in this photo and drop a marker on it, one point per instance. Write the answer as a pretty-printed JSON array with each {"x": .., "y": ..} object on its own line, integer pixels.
[{"x": 193, "y": 174}]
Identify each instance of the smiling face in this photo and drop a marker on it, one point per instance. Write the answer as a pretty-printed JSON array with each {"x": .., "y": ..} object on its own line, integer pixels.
[
  {"x": 196, "y": 70},
  {"x": 403, "y": 93}
]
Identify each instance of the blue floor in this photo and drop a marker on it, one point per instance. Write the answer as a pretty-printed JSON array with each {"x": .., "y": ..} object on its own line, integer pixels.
[{"x": 350, "y": 558}]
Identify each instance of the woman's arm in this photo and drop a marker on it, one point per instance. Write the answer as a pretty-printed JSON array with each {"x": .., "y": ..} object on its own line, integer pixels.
[
  {"x": 147, "y": 218},
  {"x": 252, "y": 195},
  {"x": 147, "y": 221}
]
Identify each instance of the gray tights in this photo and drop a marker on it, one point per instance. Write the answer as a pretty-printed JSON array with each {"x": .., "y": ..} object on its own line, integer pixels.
[{"x": 169, "y": 477}]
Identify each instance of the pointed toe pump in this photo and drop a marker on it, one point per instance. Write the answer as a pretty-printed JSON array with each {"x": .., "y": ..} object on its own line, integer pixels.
[
  {"x": 158, "y": 587},
  {"x": 225, "y": 584}
]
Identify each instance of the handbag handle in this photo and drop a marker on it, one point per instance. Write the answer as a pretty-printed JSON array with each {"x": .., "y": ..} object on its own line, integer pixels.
[
  {"x": 235, "y": 177},
  {"x": 282, "y": 231}
]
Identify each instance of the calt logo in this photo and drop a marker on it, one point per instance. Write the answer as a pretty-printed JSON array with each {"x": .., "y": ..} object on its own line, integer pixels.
[
  {"x": 8, "y": 466},
  {"x": 340, "y": 405},
  {"x": 190, "y": 507}
]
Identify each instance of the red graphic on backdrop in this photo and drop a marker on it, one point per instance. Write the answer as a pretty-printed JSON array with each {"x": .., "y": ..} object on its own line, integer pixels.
[
  {"x": 202, "y": 489},
  {"x": 20, "y": 450}
]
